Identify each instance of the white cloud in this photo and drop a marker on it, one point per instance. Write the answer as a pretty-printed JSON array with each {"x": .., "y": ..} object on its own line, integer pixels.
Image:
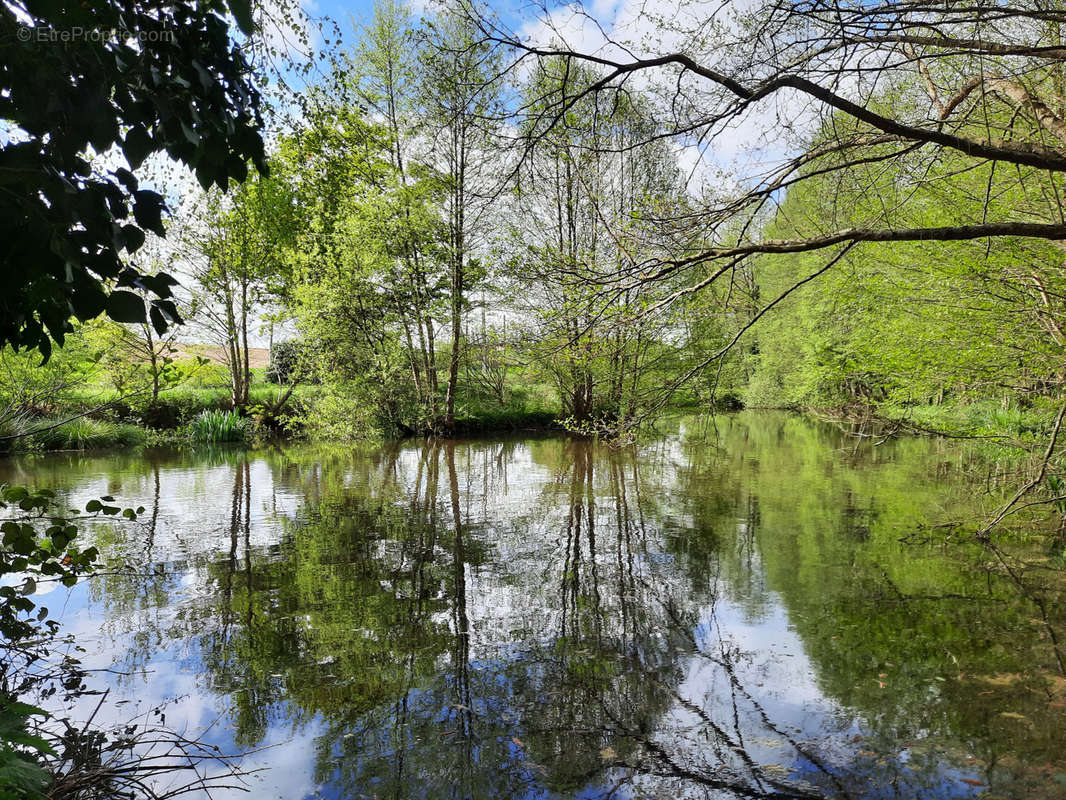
[
  {"x": 287, "y": 29},
  {"x": 750, "y": 143}
]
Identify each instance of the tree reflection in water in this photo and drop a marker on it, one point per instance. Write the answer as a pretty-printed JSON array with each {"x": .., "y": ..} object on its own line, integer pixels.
[{"x": 554, "y": 618}]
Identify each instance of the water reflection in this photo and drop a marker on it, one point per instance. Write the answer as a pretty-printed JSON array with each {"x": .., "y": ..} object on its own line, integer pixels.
[{"x": 742, "y": 615}]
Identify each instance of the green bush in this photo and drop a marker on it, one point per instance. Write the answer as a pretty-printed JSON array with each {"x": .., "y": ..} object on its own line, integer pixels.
[
  {"x": 339, "y": 412},
  {"x": 288, "y": 362},
  {"x": 218, "y": 426}
]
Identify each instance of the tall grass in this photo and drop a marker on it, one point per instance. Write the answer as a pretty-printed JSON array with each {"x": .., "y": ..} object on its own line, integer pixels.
[
  {"x": 218, "y": 426},
  {"x": 78, "y": 434},
  {"x": 981, "y": 418}
]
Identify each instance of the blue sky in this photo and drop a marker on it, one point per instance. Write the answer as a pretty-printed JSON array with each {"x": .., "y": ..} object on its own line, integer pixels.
[{"x": 347, "y": 13}]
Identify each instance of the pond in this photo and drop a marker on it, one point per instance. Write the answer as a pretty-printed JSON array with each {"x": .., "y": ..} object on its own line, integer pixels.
[{"x": 752, "y": 606}]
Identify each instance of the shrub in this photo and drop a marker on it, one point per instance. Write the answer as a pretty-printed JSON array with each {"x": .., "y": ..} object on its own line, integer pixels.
[
  {"x": 340, "y": 412},
  {"x": 288, "y": 362},
  {"x": 728, "y": 401}
]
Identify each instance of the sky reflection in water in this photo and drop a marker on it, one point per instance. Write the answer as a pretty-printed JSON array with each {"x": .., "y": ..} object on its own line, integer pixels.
[{"x": 728, "y": 615}]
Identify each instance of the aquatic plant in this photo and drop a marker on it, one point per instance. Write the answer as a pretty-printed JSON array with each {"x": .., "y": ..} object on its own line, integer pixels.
[{"x": 218, "y": 426}]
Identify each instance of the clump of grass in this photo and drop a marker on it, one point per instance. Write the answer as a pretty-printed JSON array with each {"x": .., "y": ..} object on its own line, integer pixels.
[
  {"x": 77, "y": 434},
  {"x": 218, "y": 426}
]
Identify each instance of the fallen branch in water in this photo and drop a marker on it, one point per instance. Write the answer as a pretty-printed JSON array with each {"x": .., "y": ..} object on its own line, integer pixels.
[
  {"x": 1031, "y": 484},
  {"x": 144, "y": 760}
]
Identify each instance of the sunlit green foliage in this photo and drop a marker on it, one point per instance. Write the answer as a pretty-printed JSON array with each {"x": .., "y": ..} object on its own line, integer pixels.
[{"x": 912, "y": 324}]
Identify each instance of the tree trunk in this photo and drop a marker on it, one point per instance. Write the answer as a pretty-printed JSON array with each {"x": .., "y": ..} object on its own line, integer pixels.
[
  {"x": 457, "y": 335},
  {"x": 153, "y": 359},
  {"x": 458, "y": 267},
  {"x": 246, "y": 369}
]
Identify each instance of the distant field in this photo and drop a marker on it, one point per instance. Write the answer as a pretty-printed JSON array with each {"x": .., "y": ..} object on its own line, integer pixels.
[{"x": 258, "y": 357}]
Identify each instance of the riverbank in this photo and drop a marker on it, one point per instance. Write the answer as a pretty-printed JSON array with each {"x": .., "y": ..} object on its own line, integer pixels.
[
  {"x": 205, "y": 414},
  {"x": 190, "y": 416},
  {"x": 208, "y": 416},
  {"x": 990, "y": 420},
  {"x": 92, "y": 416}
]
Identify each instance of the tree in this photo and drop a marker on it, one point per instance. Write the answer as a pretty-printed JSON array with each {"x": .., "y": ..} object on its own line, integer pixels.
[
  {"x": 912, "y": 322},
  {"x": 487, "y": 363},
  {"x": 234, "y": 257},
  {"x": 586, "y": 204},
  {"x": 138, "y": 360},
  {"x": 383, "y": 77},
  {"x": 358, "y": 263},
  {"x": 87, "y": 84},
  {"x": 821, "y": 67},
  {"x": 459, "y": 95}
]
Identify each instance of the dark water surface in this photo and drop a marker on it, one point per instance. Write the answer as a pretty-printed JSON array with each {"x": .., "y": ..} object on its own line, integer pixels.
[{"x": 765, "y": 612}]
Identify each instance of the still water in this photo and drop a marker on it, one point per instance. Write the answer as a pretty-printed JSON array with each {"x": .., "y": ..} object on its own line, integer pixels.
[{"x": 756, "y": 606}]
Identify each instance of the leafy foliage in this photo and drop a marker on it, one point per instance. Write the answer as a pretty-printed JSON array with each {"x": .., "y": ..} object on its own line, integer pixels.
[
  {"x": 901, "y": 324},
  {"x": 39, "y": 544},
  {"x": 178, "y": 85},
  {"x": 19, "y": 771},
  {"x": 288, "y": 362}
]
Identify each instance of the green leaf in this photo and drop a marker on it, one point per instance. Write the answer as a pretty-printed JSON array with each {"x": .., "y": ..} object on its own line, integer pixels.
[
  {"x": 242, "y": 12},
  {"x": 133, "y": 237},
  {"x": 18, "y": 771},
  {"x": 125, "y": 307}
]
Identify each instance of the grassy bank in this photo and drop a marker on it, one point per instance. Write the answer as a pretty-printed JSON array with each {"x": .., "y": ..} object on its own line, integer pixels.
[
  {"x": 984, "y": 418},
  {"x": 93, "y": 415},
  {"x": 1009, "y": 424},
  {"x": 191, "y": 414},
  {"x": 44, "y": 433},
  {"x": 96, "y": 417}
]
